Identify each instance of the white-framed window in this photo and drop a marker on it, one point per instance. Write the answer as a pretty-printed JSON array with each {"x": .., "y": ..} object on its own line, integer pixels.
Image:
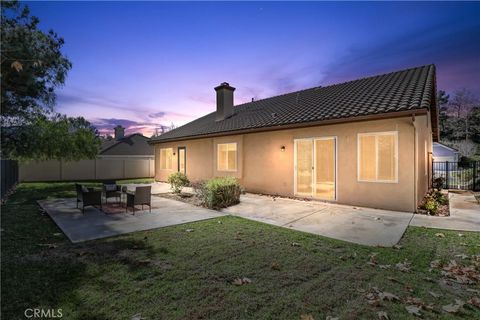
[
  {"x": 166, "y": 159},
  {"x": 377, "y": 158},
  {"x": 227, "y": 156}
]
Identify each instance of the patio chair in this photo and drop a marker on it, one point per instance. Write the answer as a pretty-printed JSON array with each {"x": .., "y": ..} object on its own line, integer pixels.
[
  {"x": 141, "y": 196},
  {"x": 88, "y": 197},
  {"x": 111, "y": 190}
]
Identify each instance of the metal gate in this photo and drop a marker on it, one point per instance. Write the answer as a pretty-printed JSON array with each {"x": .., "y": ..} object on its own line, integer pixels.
[{"x": 458, "y": 175}]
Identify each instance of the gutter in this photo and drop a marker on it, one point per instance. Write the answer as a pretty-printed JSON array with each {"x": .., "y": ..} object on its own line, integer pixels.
[
  {"x": 390, "y": 115},
  {"x": 414, "y": 164}
]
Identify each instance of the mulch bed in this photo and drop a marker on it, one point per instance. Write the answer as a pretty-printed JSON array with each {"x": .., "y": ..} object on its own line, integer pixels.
[{"x": 186, "y": 197}]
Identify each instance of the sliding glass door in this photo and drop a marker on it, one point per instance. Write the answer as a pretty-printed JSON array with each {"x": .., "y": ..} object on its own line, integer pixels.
[{"x": 315, "y": 167}]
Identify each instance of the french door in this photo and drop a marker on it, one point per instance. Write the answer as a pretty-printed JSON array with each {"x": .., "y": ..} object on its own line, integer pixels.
[{"x": 315, "y": 167}]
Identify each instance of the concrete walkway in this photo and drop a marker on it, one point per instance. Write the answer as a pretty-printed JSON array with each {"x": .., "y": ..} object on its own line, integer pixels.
[
  {"x": 354, "y": 224},
  {"x": 464, "y": 214},
  {"x": 94, "y": 224}
]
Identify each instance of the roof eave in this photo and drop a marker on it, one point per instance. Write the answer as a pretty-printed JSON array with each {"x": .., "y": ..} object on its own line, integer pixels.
[{"x": 389, "y": 115}]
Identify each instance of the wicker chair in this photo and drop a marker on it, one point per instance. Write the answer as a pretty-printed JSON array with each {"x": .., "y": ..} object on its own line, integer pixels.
[
  {"x": 116, "y": 193},
  {"x": 88, "y": 197},
  {"x": 141, "y": 196}
]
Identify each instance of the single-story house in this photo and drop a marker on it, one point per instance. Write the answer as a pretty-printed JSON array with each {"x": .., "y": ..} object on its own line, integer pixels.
[
  {"x": 442, "y": 153},
  {"x": 121, "y": 157},
  {"x": 365, "y": 142}
]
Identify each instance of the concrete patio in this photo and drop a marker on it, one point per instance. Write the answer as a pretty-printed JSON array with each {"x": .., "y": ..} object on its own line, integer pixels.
[
  {"x": 365, "y": 226},
  {"x": 94, "y": 224},
  {"x": 354, "y": 224},
  {"x": 464, "y": 214}
]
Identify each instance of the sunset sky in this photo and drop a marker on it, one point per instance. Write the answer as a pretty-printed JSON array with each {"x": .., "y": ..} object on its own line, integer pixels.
[{"x": 144, "y": 64}]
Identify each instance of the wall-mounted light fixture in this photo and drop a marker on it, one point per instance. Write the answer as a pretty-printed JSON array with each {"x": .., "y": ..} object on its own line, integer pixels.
[{"x": 282, "y": 149}]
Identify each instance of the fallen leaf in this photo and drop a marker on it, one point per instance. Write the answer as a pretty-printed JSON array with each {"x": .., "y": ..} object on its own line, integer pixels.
[
  {"x": 275, "y": 266},
  {"x": 331, "y": 318},
  {"x": 473, "y": 290},
  {"x": 241, "y": 281},
  {"x": 414, "y": 310},
  {"x": 453, "y": 308},
  {"x": 428, "y": 279},
  {"x": 475, "y": 301},
  {"x": 435, "y": 295},
  {"x": 384, "y": 266},
  {"x": 189, "y": 230},
  {"x": 138, "y": 316},
  {"x": 461, "y": 235},
  {"x": 461, "y": 256},
  {"x": 435, "y": 264},
  {"x": 393, "y": 279},
  {"x": 295, "y": 244},
  {"x": 382, "y": 315},
  {"x": 17, "y": 66},
  {"x": 440, "y": 235},
  {"x": 388, "y": 296},
  {"x": 306, "y": 317},
  {"x": 403, "y": 266},
  {"x": 397, "y": 246}
]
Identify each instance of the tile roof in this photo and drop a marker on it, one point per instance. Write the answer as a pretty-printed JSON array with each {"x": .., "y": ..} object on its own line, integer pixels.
[
  {"x": 134, "y": 144},
  {"x": 404, "y": 90}
]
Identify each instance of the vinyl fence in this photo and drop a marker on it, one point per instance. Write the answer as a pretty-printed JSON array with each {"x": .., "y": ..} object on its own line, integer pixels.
[
  {"x": 101, "y": 168},
  {"x": 9, "y": 172}
]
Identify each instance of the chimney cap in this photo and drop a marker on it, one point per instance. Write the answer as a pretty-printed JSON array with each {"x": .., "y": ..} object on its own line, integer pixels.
[{"x": 224, "y": 85}]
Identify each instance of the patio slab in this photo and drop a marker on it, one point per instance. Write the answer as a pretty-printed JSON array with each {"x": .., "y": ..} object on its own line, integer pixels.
[
  {"x": 94, "y": 224},
  {"x": 464, "y": 214},
  {"x": 353, "y": 224}
]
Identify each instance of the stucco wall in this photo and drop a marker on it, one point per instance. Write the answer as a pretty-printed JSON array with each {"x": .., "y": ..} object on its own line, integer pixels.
[
  {"x": 423, "y": 131},
  {"x": 264, "y": 168}
]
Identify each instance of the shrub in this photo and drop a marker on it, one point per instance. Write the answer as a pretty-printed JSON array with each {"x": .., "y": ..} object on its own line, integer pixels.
[
  {"x": 440, "y": 198},
  {"x": 431, "y": 205},
  {"x": 178, "y": 181},
  {"x": 219, "y": 193},
  {"x": 438, "y": 183}
]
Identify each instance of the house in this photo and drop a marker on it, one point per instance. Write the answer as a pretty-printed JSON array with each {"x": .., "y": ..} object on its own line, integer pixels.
[
  {"x": 442, "y": 153},
  {"x": 365, "y": 142},
  {"x": 134, "y": 145},
  {"x": 122, "y": 157}
]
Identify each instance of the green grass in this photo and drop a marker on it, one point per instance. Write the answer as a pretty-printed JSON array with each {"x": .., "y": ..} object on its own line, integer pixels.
[{"x": 172, "y": 274}]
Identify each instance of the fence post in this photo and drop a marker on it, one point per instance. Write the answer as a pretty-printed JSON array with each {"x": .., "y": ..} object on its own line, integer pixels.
[
  {"x": 447, "y": 175},
  {"x": 474, "y": 175}
]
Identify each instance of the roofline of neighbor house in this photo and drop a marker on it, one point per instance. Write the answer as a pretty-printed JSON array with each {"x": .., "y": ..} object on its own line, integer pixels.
[
  {"x": 118, "y": 141},
  {"x": 390, "y": 115}
]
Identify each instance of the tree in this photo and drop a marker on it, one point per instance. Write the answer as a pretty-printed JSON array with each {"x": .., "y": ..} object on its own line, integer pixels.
[
  {"x": 32, "y": 67},
  {"x": 466, "y": 148}
]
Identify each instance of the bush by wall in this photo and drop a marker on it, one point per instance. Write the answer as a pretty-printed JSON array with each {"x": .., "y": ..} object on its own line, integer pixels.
[
  {"x": 219, "y": 193},
  {"x": 178, "y": 181}
]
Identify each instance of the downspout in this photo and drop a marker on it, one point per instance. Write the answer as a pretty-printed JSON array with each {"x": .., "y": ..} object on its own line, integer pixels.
[{"x": 414, "y": 163}]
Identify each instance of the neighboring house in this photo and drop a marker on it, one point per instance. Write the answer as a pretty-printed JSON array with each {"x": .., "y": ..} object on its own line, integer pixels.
[
  {"x": 443, "y": 153},
  {"x": 122, "y": 157},
  {"x": 364, "y": 142}
]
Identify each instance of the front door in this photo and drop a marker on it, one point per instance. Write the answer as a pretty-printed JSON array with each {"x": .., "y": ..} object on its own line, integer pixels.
[
  {"x": 315, "y": 168},
  {"x": 182, "y": 159}
]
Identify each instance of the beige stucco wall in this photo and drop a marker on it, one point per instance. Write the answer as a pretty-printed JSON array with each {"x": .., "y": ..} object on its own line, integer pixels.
[
  {"x": 423, "y": 131},
  {"x": 264, "y": 168}
]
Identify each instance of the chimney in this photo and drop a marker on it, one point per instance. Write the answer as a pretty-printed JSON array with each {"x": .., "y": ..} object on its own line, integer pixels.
[
  {"x": 224, "y": 101},
  {"x": 119, "y": 132}
]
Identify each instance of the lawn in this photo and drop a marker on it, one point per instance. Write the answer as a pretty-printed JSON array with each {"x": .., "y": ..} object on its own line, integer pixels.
[{"x": 170, "y": 273}]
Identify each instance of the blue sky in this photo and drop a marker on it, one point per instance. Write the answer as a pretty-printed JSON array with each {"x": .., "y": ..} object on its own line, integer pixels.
[{"x": 143, "y": 64}]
